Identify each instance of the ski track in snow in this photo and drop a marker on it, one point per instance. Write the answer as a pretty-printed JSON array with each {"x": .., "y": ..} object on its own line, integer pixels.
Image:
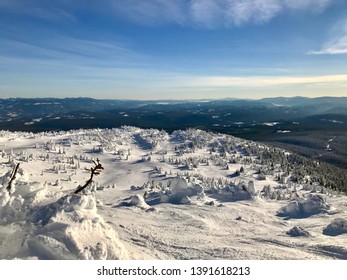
[{"x": 223, "y": 225}]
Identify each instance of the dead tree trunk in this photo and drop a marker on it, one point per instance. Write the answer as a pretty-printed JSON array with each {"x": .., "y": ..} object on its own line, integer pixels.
[
  {"x": 12, "y": 178},
  {"x": 94, "y": 171}
]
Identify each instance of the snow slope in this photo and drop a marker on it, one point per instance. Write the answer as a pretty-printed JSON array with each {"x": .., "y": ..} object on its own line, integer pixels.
[{"x": 187, "y": 195}]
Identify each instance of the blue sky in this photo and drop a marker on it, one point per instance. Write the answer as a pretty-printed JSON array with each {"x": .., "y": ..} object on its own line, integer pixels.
[{"x": 173, "y": 49}]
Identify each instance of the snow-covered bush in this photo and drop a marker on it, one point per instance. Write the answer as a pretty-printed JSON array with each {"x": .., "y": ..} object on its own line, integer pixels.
[
  {"x": 180, "y": 188},
  {"x": 336, "y": 227},
  {"x": 185, "y": 200},
  {"x": 178, "y": 191},
  {"x": 240, "y": 191},
  {"x": 261, "y": 177},
  {"x": 280, "y": 192},
  {"x": 267, "y": 192},
  {"x": 298, "y": 231},
  {"x": 303, "y": 207},
  {"x": 139, "y": 201}
]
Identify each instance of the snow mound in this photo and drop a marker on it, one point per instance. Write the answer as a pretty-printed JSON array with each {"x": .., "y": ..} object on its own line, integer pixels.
[
  {"x": 67, "y": 229},
  {"x": 10, "y": 208},
  {"x": 179, "y": 191},
  {"x": 186, "y": 200},
  {"x": 139, "y": 201},
  {"x": 71, "y": 229},
  {"x": 22, "y": 178},
  {"x": 33, "y": 193},
  {"x": 5, "y": 178},
  {"x": 298, "y": 231},
  {"x": 241, "y": 191},
  {"x": 305, "y": 207},
  {"x": 336, "y": 227}
]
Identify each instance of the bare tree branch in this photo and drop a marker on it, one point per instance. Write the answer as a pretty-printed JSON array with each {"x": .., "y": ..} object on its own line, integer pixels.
[
  {"x": 12, "y": 178},
  {"x": 94, "y": 171}
]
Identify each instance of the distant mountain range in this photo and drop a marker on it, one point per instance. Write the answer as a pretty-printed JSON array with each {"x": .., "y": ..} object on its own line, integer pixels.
[
  {"x": 279, "y": 107},
  {"x": 303, "y": 125}
]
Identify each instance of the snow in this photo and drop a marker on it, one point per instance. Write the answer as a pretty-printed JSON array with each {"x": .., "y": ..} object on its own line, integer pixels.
[
  {"x": 69, "y": 228},
  {"x": 180, "y": 189},
  {"x": 139, "y": 201},
  {"x": 335, "y": 121},
  {"x": 270, "y": 123},
  {"x": 46, "y": 103},
  {"x": 298, "y": 231},
  {"x": 332, "y": 121},
  {"x": 160, "y": 196},
  {"x": 302, "y": 207},
  {"x": 336, "y": 227}
]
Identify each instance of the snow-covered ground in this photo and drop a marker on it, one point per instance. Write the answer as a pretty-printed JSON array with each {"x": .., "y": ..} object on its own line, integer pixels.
[{"x": 187, "y": 195}]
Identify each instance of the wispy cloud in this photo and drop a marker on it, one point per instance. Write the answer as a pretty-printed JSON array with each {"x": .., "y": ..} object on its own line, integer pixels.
[
  {"x": 63, "y": 65},
  {"x": 93, "y": 59},
  {"x": 54, "y": 10},
  {"x": 149, "y": 12},
  {"x": 315, "y": 6},
  {"x": 199, "y": 13},
  {"x": 257, "y": 81},
  {"x": 228, "y": 13},
  {"x": 71, "y": 51},
  {"x": 337, "y": 45},
  {"x": 213, "y": 14}
]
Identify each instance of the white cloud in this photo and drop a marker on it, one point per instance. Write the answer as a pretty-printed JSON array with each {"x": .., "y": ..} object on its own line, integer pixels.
[
  {"x": 337, "y": 45},
  {"x": 256, "y": 11}
]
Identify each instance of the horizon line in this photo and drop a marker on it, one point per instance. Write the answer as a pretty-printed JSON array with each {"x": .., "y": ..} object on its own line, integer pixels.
[{"x": 194, "y": 99}]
